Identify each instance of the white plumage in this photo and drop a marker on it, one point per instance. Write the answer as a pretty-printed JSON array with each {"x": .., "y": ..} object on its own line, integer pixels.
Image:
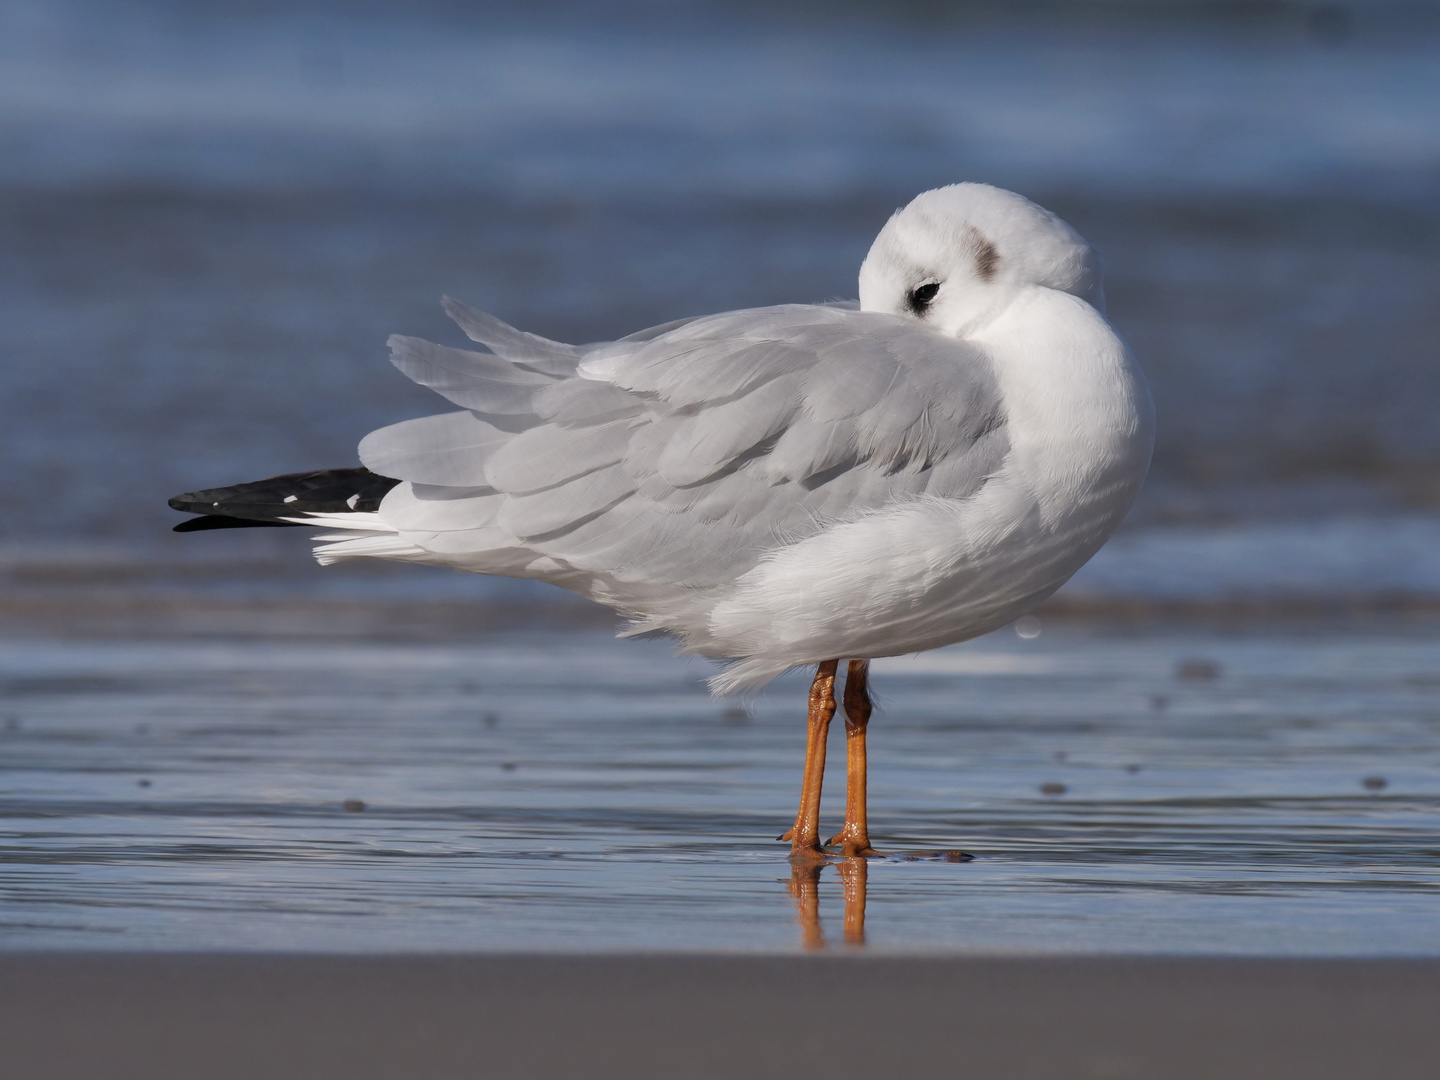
[{"x": 791, "y": 484}]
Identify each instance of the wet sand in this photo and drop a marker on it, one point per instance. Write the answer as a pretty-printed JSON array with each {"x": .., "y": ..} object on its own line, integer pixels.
[
  {"x": 1169, "y": 793},
  {"x": 351, "y": 1018}
]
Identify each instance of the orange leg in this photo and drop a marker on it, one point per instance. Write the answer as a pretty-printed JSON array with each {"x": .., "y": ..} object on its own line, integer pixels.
[
  {"x": 804, "y": 837},
  {"x": 854, "y": 837}
]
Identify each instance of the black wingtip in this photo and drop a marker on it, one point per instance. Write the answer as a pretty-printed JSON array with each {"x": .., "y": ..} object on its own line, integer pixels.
[
  {"x": 270, "y": 502},
  {"x": 219, "y": 521}
]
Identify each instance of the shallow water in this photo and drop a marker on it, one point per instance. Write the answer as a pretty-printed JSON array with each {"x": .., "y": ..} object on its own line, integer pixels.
[{"x": 567, "y": 791}]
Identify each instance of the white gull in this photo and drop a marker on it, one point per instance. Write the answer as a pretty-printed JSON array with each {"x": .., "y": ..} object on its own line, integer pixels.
[{"x": 796, "y": 484}]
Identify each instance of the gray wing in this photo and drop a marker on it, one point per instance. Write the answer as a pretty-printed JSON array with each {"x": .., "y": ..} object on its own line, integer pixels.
[{"x": 680, "y": 456}]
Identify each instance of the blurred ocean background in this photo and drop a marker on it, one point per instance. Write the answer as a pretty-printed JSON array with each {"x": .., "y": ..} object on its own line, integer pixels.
[{"x": 212, "y": 215}]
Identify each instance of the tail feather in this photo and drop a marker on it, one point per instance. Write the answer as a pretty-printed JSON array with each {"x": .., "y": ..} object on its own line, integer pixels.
[
  {"x": 281, "y": 499},
  {"x": 362, "y": 540}
]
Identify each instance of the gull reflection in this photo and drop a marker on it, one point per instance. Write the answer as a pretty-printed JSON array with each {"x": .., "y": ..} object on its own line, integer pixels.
[{"x": 805, "y": 889}]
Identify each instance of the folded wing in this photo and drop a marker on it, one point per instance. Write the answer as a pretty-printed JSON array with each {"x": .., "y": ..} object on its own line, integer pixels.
[{"x": 679, "y": 456}]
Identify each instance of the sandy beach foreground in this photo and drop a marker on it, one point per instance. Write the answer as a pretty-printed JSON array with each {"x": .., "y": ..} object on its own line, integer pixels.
[{"x": 159, "y": 1016}]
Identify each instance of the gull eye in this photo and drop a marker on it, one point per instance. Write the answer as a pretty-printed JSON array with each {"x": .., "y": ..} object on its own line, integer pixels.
[{"x": 920, "y": 298}]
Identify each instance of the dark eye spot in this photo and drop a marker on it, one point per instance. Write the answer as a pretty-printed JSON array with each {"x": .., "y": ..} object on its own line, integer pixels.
[
  {"x": 919, "y": 299},
  {"x": 986, "y": 259}
]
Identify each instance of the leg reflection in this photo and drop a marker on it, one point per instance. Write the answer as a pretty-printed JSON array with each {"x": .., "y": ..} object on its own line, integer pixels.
[
  {"x": 805, "y": 890},
  {"x": 854, "y": 872}
]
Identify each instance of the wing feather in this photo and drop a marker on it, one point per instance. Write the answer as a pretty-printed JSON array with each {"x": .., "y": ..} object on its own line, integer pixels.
[
  {"x": 809, "y": 447},
  {"x": 752, "y": 348},
  {"x": 630, "y": 542},
  {"x": 849, "y": 383},
  {"x": 679, "y": 457},
  {"x": 741, "y": 498},
  {"x": 448, "y": 450},
  {"x": 480, "y": 381},
  {"x": 709, "y": 441},
  {"x": 550, "y": 454},
  {"x": 532, "y": 350},
  {"x": 423, "y": 508},
  {"x": 582, "y": 401},
  {"x": 567, "y": 506},
  {"x": 695, "y": 379}
]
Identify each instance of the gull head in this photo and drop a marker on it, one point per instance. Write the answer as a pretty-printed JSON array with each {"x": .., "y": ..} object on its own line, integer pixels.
[{"x": 957, "y": 256}]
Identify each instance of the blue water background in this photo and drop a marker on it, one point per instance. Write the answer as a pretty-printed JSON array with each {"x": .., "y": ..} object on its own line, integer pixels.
[{"x": 212, "y": 217}]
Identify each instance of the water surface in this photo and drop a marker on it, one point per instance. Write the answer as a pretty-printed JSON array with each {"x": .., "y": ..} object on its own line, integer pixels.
[{"x": 566, "y": 791}]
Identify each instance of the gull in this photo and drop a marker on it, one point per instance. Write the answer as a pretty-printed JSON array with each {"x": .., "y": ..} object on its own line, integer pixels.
[{"x": 780, "y": 486}]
